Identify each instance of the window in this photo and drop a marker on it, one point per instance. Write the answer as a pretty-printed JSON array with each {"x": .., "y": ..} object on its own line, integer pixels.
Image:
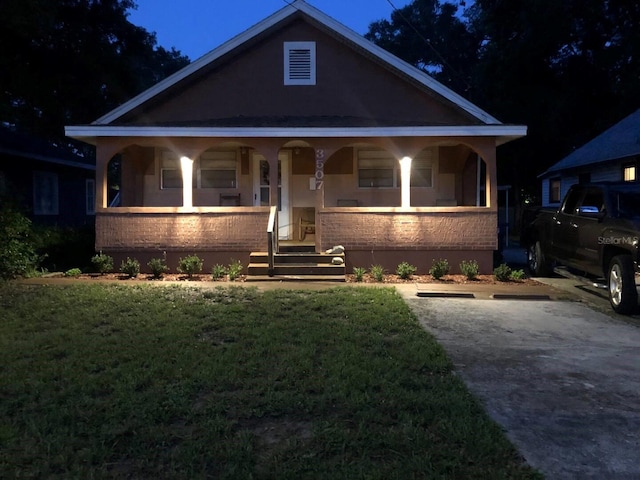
[
  {"x": 629, "y": 173},
  {"x": 218, "y": 170},
  {"x": 170, "y": 174},
  {"x": 376, "y": 168},
  {"x": 554, "y": 190},
  {"x": 570, "y": 206},
  {"x": 299, "y": 63},
  {"x": 90, "y": 196},
  {"x": 422, "y": 170},
  {"x": 45, "y": 193}
]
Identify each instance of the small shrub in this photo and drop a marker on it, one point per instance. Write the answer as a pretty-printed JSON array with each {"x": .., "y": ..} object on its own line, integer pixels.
[
  {"x": 517, "y": 275},
  {"x": 469, "y": 269},
  {"x": 234, "y": 270},
  {"x": 218, "y": 271},
  {"x": 103, "y": 263},
  {"x": 73, "y": 272},
  {"x": 502, "y": 272},
  {"x": 190, "y": 265},
  {"x": 158, "y": 266},
  {"x": 359, "y": 273},
  {"x": 130, "y": 267},
  {"x": 378, "y": 272},
  {"x": 405, "y": 270},
  {"x": 17, "y": 252},
  {"x": 439, "y": 269}
]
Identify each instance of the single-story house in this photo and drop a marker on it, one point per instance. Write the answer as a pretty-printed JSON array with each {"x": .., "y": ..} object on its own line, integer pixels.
[
  {"x": 614, "y": 155},
  {"x": 53, "y": 185},
  {"x": 300, "y": 130}
]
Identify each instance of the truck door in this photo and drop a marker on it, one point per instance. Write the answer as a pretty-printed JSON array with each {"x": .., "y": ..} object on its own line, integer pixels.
[
  {"x": 564, "y": 229},
  {"x": 589, "y": 221}
]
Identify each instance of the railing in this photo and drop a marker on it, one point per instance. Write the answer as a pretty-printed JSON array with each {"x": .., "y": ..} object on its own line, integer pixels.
[{"x": 272, "y": 238}]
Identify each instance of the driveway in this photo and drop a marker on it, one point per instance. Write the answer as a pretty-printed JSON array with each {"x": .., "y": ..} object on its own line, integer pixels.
[{"x": 561, "y": 378}]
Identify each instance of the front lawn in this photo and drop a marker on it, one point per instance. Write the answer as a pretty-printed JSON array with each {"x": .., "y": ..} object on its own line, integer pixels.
[{"x": 120, "y": 381}]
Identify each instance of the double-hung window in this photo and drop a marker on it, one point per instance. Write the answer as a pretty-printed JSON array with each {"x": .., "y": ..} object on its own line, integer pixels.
[
  {"x": 422, "y": 169},
  {"x": 45, "y": 193},
  {"x": 629, "y": 173},
  {"x": 218, "y": 169},
  {"x": 170, "y": 173},
  {"x": 377, "y": 169}
]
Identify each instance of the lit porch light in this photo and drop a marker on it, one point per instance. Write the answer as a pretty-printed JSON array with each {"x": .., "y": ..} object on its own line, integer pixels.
[
  {"x": 405, "y": 176},
  {"x": 186, "y": 165}
]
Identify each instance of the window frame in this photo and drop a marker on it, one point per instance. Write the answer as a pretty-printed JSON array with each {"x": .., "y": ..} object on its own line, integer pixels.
[
  {"x": 90, "y": 196},
  {"x": 225, "y": 160},
  {"x": 632, "y": 167},
  {"x": 552, "y": 190},
  {"x": 377, "y": 156},
  {"x": 41, "y": 207}
]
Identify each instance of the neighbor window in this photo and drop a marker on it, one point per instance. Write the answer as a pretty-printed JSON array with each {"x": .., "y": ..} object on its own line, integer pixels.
[
  {"x": 45, "y": 193},
  {"x": 218, "y": 170},
  {"x": 377, "y": 168},
  {"x": 90, "y": 196},
  {"x": 554, "y": 190},
  {"x": 299, "y": 63},
  {"x": 629, "y": 173}
]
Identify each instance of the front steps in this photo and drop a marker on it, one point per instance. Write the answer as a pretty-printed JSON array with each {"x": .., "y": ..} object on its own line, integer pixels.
[{"x": 290, "y": 264}]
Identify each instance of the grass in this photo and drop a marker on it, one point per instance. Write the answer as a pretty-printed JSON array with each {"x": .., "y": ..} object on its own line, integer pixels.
[{"x": 174, "y": 382}]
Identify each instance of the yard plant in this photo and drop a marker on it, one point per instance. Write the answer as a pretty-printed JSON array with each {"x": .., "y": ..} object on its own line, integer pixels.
[
  {"x": 158, "y": 267},
  {"x": 130, "y": 267},
  {"x": 439, "y": 268},
  {"x": 377, "y": 272},
  {"x": 359, "y": 272},
  {"x": 190, "y": 265},
  {"x": 405, "y": 270},
  {"x": 470, "y": 269},
  {"x": 134, "y": 381},
  {"x": 102, "y": 262}
]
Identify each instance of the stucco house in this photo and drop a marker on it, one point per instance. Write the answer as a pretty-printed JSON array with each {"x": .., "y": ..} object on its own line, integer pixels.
[
  {"x": 300, "y": 131},
  {"x": 614, "y": 155}
]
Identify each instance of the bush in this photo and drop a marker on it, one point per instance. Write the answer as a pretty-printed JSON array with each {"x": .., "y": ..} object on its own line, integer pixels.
[
  {"x": 18, "y": 256},
  {"x": 469, "y": 269},
  {"x": 158, "y": 266},
  {"x": 439, "y": 269},
  {"x": 130, "y": 267},
  {"x": 218, "y": 271},
  {"x": 190, "y": 265},
  {"x": 378, "y": 272},
  {"x": 61, "y": 249},
  {"x": 502, "y": 272},
  {"x": 405, "y": 270},
  {"x": 102, "y": 263},
  {"x": 517, "y": 275},
  {"x": 234, "y": 270},
  {"x": 73, "y": 272},
  {"x": 359, "y": 273}
]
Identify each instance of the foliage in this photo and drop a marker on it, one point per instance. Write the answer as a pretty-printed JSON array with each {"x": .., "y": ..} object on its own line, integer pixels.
[
  {"x": 469, "y": 269},
  {"x": 18, "y": 256},
  {"x": 130, "y": 267},
  {"x": 218, "y": 271},
  {"x": 190, "y": 265},
  {"x": 61, "y": 248},
  {"x": 377, "y": 271},
  {"x": 234, "y": 270},
  {"x": 405, "y": 270},
  {"x": 158, "y": 266},
  {"x": 102, "y": 262},
  {"x": 439, "y": 268},
  {"x": 73, "y": 272},
  {"x": 517, "y": 275},
  {"x": 502, "y": 272},
  {"x": 359, "y": 273}
]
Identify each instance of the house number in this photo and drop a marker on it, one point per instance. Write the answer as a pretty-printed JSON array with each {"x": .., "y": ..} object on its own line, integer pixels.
[{"x": 319, "y": 168}]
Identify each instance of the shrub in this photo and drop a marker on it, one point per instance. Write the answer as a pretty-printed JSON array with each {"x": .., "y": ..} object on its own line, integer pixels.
[
  {"x": 73, "y": 272},
  {"x": 378, "y": 272},
  {"x": 502, "y": 272},
  {"x": 103, "y": 263},
  {"x": 191, "y": 264},
  {"x": 234, "y": 270},
  {"x": 405, "y": 270},
  {"x": 18, "y": 256},
  {"x": 517, "y": 275},
  {"x": 130, "y": 267},
  {"x": 359, "y": 273},
  {"x": 439, "y": 268},
  {"x": 158, "y": 266},
  {"x": 218, "y": 271},
  {"x": 469, "y": 269}
]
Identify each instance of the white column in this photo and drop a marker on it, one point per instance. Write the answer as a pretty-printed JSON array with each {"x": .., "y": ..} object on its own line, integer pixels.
[
  {"x": 187, "y": 186},
  {"x": 405, "y": 175}
]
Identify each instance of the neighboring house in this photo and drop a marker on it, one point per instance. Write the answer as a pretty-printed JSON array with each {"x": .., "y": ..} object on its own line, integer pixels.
[
  {"x": 53, "y": 185},
  {"x": 614, "y": 155},
  {"x": 370, "y": 152}
]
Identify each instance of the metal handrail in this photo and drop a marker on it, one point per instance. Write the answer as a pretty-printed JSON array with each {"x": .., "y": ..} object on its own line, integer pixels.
[{"x": 272, "y": 238}]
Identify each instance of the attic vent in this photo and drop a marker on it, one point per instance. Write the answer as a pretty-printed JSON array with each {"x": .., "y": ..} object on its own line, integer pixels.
[{"x": 299, "y": 63}]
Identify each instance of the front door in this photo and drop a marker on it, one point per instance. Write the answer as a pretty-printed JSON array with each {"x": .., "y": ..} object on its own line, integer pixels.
[{"x": 262, "y": 190}]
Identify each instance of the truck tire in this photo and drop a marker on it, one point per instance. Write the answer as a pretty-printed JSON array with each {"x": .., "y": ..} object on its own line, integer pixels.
[
  {"x": 538, "y": 266},
  {"x": 622, "y": 286}
]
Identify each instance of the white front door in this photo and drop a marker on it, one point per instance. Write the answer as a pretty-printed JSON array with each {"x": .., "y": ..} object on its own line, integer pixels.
[{"x": 262, "y": 190}]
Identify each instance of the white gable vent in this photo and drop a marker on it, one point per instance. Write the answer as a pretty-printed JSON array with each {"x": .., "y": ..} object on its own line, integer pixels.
[{"x": 299, "y": 63}]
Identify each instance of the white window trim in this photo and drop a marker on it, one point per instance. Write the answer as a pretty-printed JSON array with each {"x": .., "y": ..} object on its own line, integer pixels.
[
  {"x": 224, "y": 158},
  {"x": 90, "y": 196},
  {"x": 289, "y": 48}
]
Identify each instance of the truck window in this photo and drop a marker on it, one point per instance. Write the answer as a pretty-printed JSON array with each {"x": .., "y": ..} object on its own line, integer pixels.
[
  {"x": 570, "y": 205},
  {"x": 594, "y": 199}
]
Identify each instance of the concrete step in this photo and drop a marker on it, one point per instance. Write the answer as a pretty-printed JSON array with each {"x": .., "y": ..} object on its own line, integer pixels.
[
  {"x": 283, "y": 258},
  {"x": 296, "y": 269},
  {"x": 296, "y": 278}
]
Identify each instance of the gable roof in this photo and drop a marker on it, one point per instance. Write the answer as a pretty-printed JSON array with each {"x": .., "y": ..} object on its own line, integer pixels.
[{"x": 620, "y": 141}]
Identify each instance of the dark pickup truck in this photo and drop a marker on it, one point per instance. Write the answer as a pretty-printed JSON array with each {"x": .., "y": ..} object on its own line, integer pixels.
[{"x": 596, "y": 231}]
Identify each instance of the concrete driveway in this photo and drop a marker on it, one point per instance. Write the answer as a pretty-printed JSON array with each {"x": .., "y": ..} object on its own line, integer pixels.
[{"x": 561, "y": 378}]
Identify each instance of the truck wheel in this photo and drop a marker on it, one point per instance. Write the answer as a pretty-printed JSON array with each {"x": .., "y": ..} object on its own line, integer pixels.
[
  {"x": 622, "y": 286},
  {"x": 536, "y": 262}
]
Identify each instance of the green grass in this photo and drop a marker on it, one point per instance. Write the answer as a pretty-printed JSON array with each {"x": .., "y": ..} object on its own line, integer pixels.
[{"x": 114, "y": 381}]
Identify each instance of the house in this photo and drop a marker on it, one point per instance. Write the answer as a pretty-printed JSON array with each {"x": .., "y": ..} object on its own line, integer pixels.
[
  {"x": 301, "y": 123},
  {"x": 54, "y": 186},
  {"x": 613, "y": 155}
]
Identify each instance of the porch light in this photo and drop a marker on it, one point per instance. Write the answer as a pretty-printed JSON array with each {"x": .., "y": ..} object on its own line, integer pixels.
[
  {"x": 187, "y": 188},
  {"x": 405, "y": 176}
]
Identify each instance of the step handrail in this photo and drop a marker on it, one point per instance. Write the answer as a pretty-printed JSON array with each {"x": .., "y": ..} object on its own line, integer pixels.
[{"x": 272, "y": 238}]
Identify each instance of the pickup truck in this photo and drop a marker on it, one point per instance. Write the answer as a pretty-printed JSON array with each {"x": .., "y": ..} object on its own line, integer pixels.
[{"x": 596, "y": 231}]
